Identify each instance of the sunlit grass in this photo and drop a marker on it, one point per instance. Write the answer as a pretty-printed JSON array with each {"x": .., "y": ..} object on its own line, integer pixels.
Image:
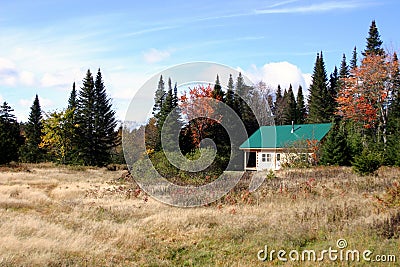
[{"x": 65, "y": 216}]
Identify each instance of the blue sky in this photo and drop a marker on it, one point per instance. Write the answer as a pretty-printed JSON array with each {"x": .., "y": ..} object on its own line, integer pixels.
[{"x": 47, "y": 45}]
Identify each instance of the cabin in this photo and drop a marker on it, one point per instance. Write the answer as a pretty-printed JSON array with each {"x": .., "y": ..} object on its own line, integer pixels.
[{"x": 271, "y": 146}]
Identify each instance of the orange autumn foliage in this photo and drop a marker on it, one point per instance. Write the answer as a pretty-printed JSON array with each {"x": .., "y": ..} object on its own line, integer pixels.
[
  {"x": 199, "y": 108},
  {"x": 364, "y": 95}
]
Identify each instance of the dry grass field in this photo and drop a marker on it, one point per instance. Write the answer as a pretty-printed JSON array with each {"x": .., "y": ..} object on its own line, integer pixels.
[{"x": 65, "y": 216}]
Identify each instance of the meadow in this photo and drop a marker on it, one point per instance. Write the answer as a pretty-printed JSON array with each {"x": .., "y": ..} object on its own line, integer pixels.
[{"x": 80, "y": 216}]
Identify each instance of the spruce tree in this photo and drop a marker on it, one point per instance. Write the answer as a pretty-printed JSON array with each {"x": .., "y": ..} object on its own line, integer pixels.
[
  {"x": 86, "y": 121},
  {"x": 335, "y": 150},
  {"x": 217, "y": 93},
  {"x": 97, "y": 124},
  {"x": 72, "y": 98},
  {"x": 374, "y": 42},
  {"x": 71, "y": 133},
  {"x": 230, "y": 93},
  {"x": 344, "y": 71},
  {"x": 159, "y": 96},
  {"x": 10, "y": 137},
  {"x": 301, "y": 111},
  {"x": 317, "y": 99},
  {"x": 289, "y": 114},
  {"x": 333, "y": 90},
  {"x": 353, "y": 61},
  {"x": 31, "y": 152},
  {"x": 106, "y": 136},
  {"x": 278, "y": 107}
]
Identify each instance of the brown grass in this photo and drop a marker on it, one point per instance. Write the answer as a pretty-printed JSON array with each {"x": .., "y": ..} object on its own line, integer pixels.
[{"x": 62, "y": 216}]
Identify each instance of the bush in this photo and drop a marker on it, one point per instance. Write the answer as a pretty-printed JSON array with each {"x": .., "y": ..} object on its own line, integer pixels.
[{"x": 367, "y": 163}]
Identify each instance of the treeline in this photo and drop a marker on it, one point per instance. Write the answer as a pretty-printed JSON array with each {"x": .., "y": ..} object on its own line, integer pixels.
[
  {"x": 361, "y": 100},
  {"x": 83, "y": 133}
]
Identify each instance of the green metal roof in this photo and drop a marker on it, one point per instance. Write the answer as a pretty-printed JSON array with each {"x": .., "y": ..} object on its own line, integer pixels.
[{"x": 281, "y": 136}]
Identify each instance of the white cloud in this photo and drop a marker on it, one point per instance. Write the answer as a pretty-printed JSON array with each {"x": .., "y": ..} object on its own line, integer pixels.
[
  {"x": 54, "y": 80},
  {"x": 154, "y": 55},
  {"x": 27, "y": 78},
  {"x": 1, "y": 99},
  {"x": 282, "y": 73},
  {"x": 8, "y": 72},
  {"x": 319, "y": 7}
]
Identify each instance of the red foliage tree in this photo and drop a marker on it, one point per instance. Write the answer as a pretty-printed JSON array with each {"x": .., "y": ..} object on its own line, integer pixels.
[
  {"x": 199, "y": 107},
  {"x": 365, "y": 94}
]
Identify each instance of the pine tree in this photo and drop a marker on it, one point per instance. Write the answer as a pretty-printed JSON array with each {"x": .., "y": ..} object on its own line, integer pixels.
[
  {"x": 353, "y": 61},
  {"x": 169, "y": 109},
  {"x": 217, "y": 92},
  {"x": 230, "y": 93},
  {"x": 395, "y": 80},
  {"x": 335, "y": 150},
  {"x": 10, "y": 137},
  {"x": 72, "y": 98},
  {"x": 86, "y": 120},
  {"x": 278, "y": 109},
  {"x": 105, "y": 134},
  {"x": 374, "y": 42},
  {"x": 301, "y": 111},
  {"x": 318, "y": 93},
  {"x": 159, "y": 96},
  {"x": 70, "y": 132},
  {"x": 97, "y": 123},
  {"x": 289, "y": 114},
  {"x": 344, "y": 71},
  {"x": 333, "y": 90},
  {"x": 31, "y": 152}
]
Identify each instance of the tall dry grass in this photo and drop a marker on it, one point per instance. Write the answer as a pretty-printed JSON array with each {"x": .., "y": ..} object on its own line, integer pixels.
[{"x": 60, "y": 216}]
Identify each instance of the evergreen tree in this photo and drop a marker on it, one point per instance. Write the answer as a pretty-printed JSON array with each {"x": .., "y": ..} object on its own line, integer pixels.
[
  {"x": 374, "y": 42},
  {"x": 69, "y": 128},
  {"x": 318, "y": 110},
  {"x": 289, "y": 114},
  {"x": 333, "y": 90},
  {"x": 159, "y": 96},
  {"x": 31, "y": 152},
  {"x": 106, "y": 136},
  {"x": 86, "y": 120},
  {"x": 395, "y": 80},
  {"x": 217, "y": 92},
  {"x": 278, "y": 106},
  {"x": 10, "y": 137},
  {"x": 230, "y": 93},
  {"x": 335, "y": 150},
  {"x": 353, "y": 61},
  {"x": 301, "y": 111},
  {"x": 97, "y": 123},
  {"x": 169, "y": 108},
  {"x": 344, "y": 71},
  {"x": 239, "y": 93},
  {"x": 72, "y": 98}
]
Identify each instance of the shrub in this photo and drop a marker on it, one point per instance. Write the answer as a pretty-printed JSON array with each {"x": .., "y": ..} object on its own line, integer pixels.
[{"x": 367, "y": 163}]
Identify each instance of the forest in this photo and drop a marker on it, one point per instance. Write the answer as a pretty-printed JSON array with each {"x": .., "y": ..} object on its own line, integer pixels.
[{"x": 361, "y": 99}]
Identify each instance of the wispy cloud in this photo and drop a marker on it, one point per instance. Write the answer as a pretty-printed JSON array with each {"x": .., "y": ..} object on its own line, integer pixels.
[
  {"x": 282, "y": 3},
  {"x": 149, "y": 30},
  {"x": 154, "y": 55},
  {"x": 312, "y": 8}
]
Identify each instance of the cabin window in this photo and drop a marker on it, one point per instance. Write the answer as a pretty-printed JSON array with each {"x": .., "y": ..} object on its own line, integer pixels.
[
  {"x": 265, "y": 157},
  {"x": 278, "y": 157}
]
